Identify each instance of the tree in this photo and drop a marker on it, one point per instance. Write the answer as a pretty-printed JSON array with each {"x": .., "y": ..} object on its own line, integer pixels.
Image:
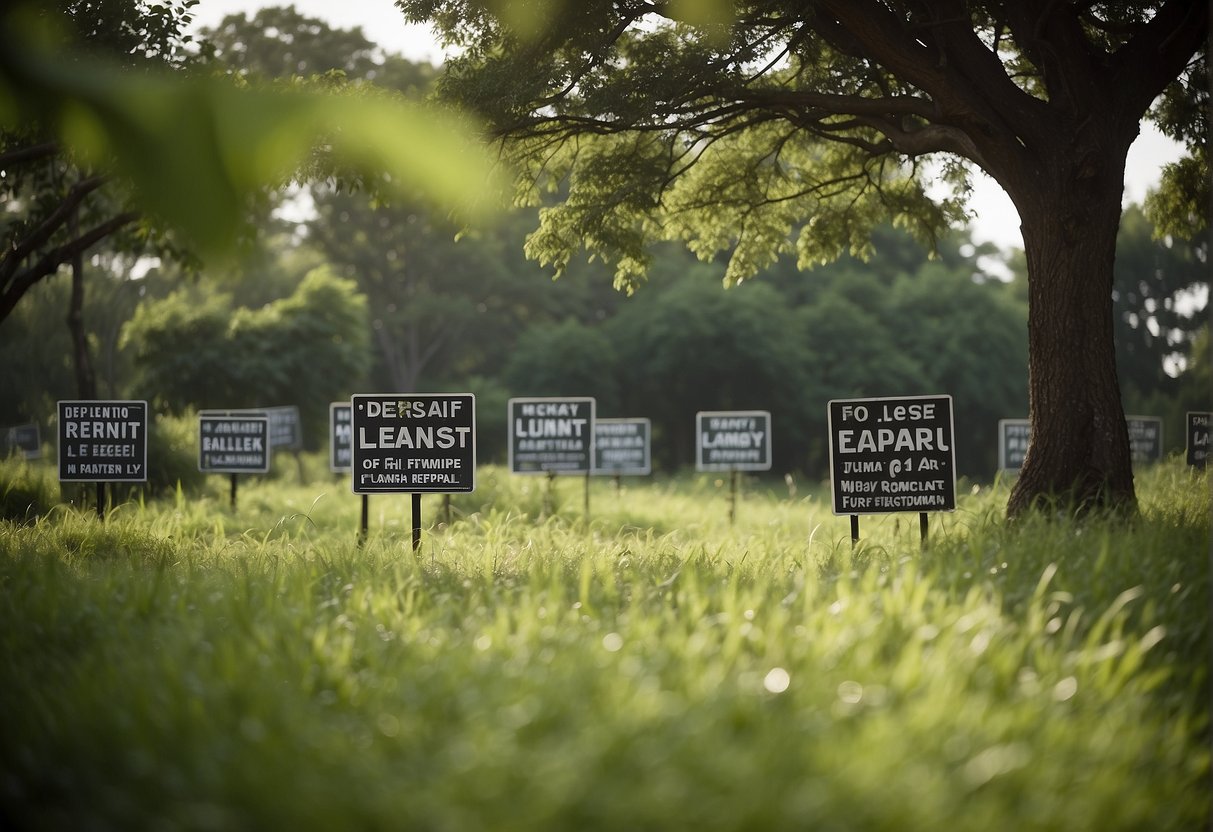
[{"x": 768, "y": 118}]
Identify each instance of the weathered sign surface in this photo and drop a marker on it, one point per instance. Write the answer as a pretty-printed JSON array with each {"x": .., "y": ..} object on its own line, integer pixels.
[
  {"x": 1145, "y": 438},
  {"x": 1013, "y": 438},
  {"x": 21, "y": 439},
  {"x": 341, "y": 442}
]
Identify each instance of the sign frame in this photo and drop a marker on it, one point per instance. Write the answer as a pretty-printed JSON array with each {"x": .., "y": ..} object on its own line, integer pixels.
[
  {"x": 766, "y": 459},
  {"x": 584, "y": 466},
  {"x": 63, "y": 444},
  {"x": 883, "y": 402},
  {"x": 360, "y": 460}
]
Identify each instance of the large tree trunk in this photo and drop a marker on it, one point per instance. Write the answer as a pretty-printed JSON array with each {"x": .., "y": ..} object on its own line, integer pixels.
[{"x": 1079, "y": 457}]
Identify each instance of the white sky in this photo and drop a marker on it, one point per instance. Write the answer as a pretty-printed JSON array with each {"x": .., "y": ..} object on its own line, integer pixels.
[{"x": 996, "y": 220}]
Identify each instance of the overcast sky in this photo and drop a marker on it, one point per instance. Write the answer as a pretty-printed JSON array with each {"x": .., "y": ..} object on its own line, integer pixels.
[{"x": 996, "y": 220}]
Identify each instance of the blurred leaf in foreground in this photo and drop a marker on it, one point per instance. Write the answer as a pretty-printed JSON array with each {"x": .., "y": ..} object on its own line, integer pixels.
[{"x": 196, "y": 149}]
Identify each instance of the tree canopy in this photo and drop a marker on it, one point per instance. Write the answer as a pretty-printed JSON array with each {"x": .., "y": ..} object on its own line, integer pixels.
[{"x": 763, "y": 128}]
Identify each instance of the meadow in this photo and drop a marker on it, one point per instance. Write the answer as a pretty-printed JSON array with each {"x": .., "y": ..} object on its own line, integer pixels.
[{"x": 186, "y": 665}]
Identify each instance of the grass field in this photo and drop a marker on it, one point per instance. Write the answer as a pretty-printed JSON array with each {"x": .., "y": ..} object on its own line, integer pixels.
[{"x": 186, "y": 666}]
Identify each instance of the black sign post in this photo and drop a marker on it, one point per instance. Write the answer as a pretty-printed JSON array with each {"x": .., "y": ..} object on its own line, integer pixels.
[
  {"x": 413, "y": 443},
  {"x": 233, "y": 442},
  {"x": 102, "y": 441},
  {"x": 1198, "y": 438},
  {"x": 892, "y": 455},
  {"x": 733, "y": 440},
  {"x": 552, "y": 436}
]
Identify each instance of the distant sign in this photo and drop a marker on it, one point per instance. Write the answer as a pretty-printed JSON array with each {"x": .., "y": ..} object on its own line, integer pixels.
[
  {"x": 103, "y": 441},
  {"x": 1145, "y": 438},
  {"x": 733, "y": 440},
  {"x": 22, "y": 439},
  {"x": 413, "y": 443},
  {"x": 622, "y": 446},
  {"x": 1013, "y": 438},
  {"x": 551, "y": 435},
  {"x": 1198, "y": 438},
  {"x": 233, "y": 443},
  {"x": 285, "y": 429},
  {"x": 892, "y": 454},
  {"x": 341, "y": 432}
]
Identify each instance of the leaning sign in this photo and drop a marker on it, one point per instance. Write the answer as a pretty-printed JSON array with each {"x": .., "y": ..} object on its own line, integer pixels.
[
  {"x": 413, "y": 443},
  {"x": 236, "y": 442},
  {"x": 1198, "y": 438},
  {"x": 622, "y": 446},
  {"x": 551, "y": 435},
  {"x": 103, "y": 441},
  {"x": 892, "y": 454},
  {"x": 733, "y": 440}
]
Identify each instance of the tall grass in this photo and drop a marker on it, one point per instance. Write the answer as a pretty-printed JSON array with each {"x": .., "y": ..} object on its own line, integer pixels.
[{"x": 183, "y": 665}]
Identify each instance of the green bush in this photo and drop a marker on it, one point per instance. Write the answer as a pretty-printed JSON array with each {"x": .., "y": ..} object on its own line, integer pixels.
[{"x": 27, "y": 490}]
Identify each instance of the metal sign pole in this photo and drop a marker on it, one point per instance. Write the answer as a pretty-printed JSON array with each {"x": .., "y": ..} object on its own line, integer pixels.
[
  {"x": 416, "y": 522},
  {"x": 854, "y": 530},
  {"x": 922, "y": 528},
  {"x": 587, "y": 497},
  {"x": 732, "y": 496},
  {"x": 233, "y": 494},
  {"x": 366, "y": 511},
  {"x": 100, "y": 501}
]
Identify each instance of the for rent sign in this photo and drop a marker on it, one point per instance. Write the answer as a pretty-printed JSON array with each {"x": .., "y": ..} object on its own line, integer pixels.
[
  {"x": 103, "y": 441},
  {"x": 551, "y": 435},
  {"x": 414, "y": 443},
  {"x": 733, "y": 440},
  {"x": 892, "y": 454}
]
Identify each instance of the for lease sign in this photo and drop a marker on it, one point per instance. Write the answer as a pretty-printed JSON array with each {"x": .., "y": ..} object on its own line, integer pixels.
[
  {"x": 551, "y": 435},
  {"x": 892, "y": 454},
  {"x": 103, "y": 441},
  {"x": 413, "y": 443}
]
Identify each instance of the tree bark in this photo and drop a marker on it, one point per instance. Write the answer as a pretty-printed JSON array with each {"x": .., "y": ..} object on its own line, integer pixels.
[
  {"x": 86, "y": 379},
  {"x": 1079, "y": 456}
]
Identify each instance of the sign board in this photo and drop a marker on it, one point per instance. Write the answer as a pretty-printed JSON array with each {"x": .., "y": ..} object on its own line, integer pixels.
[
  {"x": 1013, "y": 437},
  {"x": 1198, "y": 438},
  {"x": 233, "y": 443},
  {"x": 103, "y": 441},
  {"x": 285, "y": 430},
  {"x": 733, "y": 440},
  {"x": 341, "y": 437},
  {"x": 551, "y": 435},
  {"x": 22, "y": 439},
  {"x": 623, "y": 446},
  {"x": 1145, "y": 438},
  {"x": 413, "y": 443},
  {"x": 892, "y": 454}
]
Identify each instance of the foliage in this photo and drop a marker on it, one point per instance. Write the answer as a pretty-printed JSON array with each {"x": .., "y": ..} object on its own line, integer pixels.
[
  {"x": 184, "y": 665},
  {"x": 27, "y": 490},
  {"x": 192, "y": 349}
]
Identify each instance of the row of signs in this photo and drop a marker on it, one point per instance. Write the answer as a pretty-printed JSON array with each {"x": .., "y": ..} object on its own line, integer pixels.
[{"x": 886, "y": 454}]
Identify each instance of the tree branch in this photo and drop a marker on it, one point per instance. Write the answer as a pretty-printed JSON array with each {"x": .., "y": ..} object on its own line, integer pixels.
[{"x": 13, "y": 258}]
